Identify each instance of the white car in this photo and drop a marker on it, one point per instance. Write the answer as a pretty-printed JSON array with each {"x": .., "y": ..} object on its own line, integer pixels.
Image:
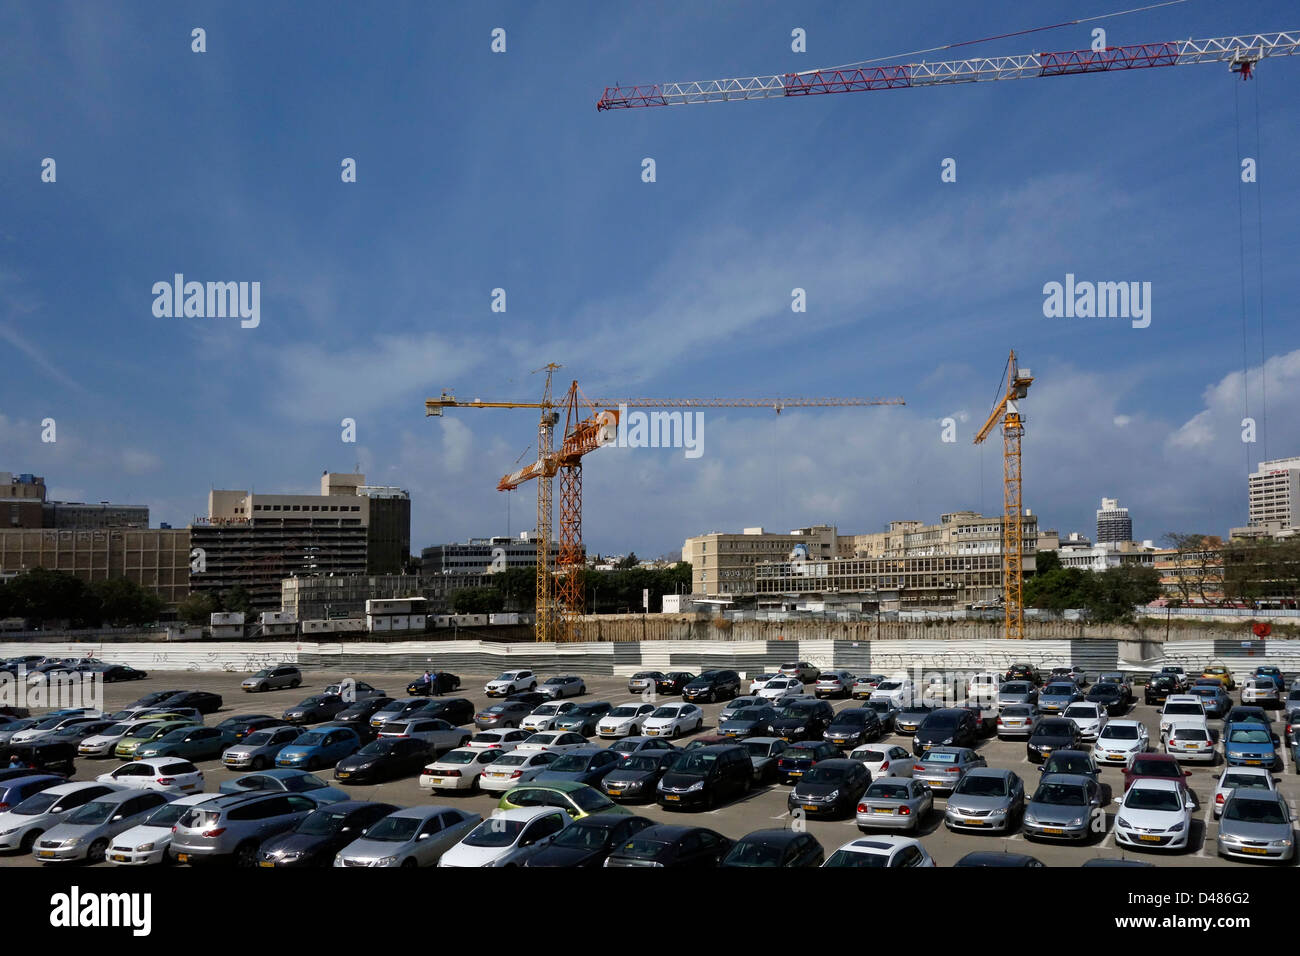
[
  {"x": 884, "y": 760},
  {"x": 1155, "y": 813},
  {"x": 759, "y": 681},
  {"x": 511, "y": 682},
  {"x": 502, "y": 835},
  {"x": 504, "y": 739},
  {"x": 457, "y": 769},
  {"x": 20, "y": 826},
  {"x": 511, "y": 768},
  {"x": 556, "y": 741},
  {"x": 1120, "y": 741},
  {"x": 984, "y": 688},
  {"x": 835, "y": 682},
  {"x": 1263, "y": 693},
  {"x": 1233, "y": 778},
  {"x": 169, "y": 774},
  {"x": 1182, "y": 708},
  {"x": 625, "y": 720},
  {"x": 145, "y": 844},
  {"x": 883, "y": 850},
  {"x": 102, "y": 744},
  {"x": 1190, "y": 740},
  {"x": 779, "y": 687},
  {"x": 47, "y": 727},
  {"x": 545, "y": 715},
  {"x": 673, "y": 720},
  {"x": 897, "y": 692},
  {"x": 1088, "y": 717}
]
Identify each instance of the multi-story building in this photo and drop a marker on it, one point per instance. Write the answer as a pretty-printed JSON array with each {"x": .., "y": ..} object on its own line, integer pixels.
[
  {"x": 723, "y": 563},
  {"x": 1113, "y": 522},
  {"x": 153, "y": 558},
  {"x": 1192, "y": 576},
  {"x": 1076, "y": 551},
  {"x": 22, "y": 498},
  {"x": 484, "y": 555},
  {"x": 66, "y": 515},
  {"x": 388, "y": 541},
  {"x": 1275, "y": 493},
  {"x": 255, "y": 541}
]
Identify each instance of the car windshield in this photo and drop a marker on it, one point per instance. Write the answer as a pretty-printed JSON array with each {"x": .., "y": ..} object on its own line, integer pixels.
[
  {"x": 393, "y": 829},
  {"x": 496, "y": 832},
  {"x": 589, "y": 800},
  {"x": 1060, "y": 795},
  {"x": 942, "y": 720},
  {"x": 1150, "y": 798},
  {"x": 942, "y": 756},
  {"x": 590, "y": 837},
  {"x": 1059, "y": 690},
  {"x": 826, "y": 775},
  {"x": 1054, "y": 728},
  {"x": 642, "y": 848},
  {"x": 1119, "y": 732},
  {"x": 982, "y": 786},
  {"x": 889, "y": 685},
  {"x": 376, "y": 748},
  {"x": 310, "y": 739},
  {"x": 116, "y": 730},
  {"x": 869, "y": 756},
  {"x": 753, "y": 853},
  {"x": 1189, "y": 733},
  {"x": 1015, "y": 687},
  {"x": 511, "y": 760},
  {"x": 546, "y": 710},
  {"x": 1255, "y": 811},
  {"x": 665, "y": 712},
  {"x": 640, "y": 763},
  {"x": 258, "y": 737},
  {"x": 849, "y": 718},
  {"x": 887, "y": 790},
  {"x": 1156, "y": 768},
  {"x": 695, "y": 763},
  {"x": 616, "y": 712},
  {"x": 264, "y": 672},
  {"x": 93, "y": 813},
  {"x": 873, "y": 861},
  {"x": 302, "y": 783},
  {"x": 36, "y": 803},
  {"x": 168, "y": 815},
  {"x": 1068, "y": 763},
  {"x": 879, "y": 706},
  {"x": 796, "y": 712},
  {"x": 1189, "y": 708},
  {"x": 1016, "y": 710},
  {"x": 322, "y": 822},
  {"x": 1105, "y": 690},
  {"x": 571, "y": 763},
  {"x": 759, "y": 749},
  {"x": 1081, "y": 710},
  {"x": 1249, "y": 735}
]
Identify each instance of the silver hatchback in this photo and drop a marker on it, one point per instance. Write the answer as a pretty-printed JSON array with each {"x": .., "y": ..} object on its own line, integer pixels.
[
  {"x": 258, "y": 750},
  {"x": 273, "y": 678},
  {"x": 894, "y": 803},
  {"x": 1256, "y": 825},
  {"x": 86, "y": 832},
  {"x": 233, "y": 825},
  {"x": 986, "y": 798}
]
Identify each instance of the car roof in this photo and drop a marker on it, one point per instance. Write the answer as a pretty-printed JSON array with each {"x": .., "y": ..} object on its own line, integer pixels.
[
  {"x": 994, "y": 858},
  {"x": 567, "y": 786},
  {"x": 1124, "y": 722},
  {"x": 120, "y": 796},
  {"x": 989, "y": 772},
  {"x": 667, "y": 832},
  {"x": 519, "y": 813},
  {"x": 884, "y": 843},
  {"x": 1271, "y": 796},
  {"x": 775, "y": 836},
  {"x": 1076, "y": 779},
  {"x": 1156, "y": 783}
]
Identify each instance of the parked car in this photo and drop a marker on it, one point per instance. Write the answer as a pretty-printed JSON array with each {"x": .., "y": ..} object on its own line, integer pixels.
[
  {"x": 1262, "y": 692},
  {"x": 384, "y": 758},
  {"x": 886, "y": 710},
  {"x": 259, "y": 749},
  {"x": 910, "y": 717},
  {"x": 1222, "y": 674},
  {"x": 1063, "y": 807},
  {"x": 1154, "y": 766},
  {"x": 803, "y": 670},
  {"x": 630, "y": 746},
  {"x": 882, "y": 852},
  {"x": 986, "y": 799},
  {"x": 24, "y": 821},
  {"x": 561, "y": 686},
  {"x": 507, "y": 739},
  {"x": 1190, "y": 741},
  {"x": 836, "y": 683},
  {"x": 865, "y": 684},
  {"x": 115, "y": 673},
  {"x": 454, "y": 710},
  {"x": 507, "y": 837},
  {"x": 894, "y": 803},
  {"x": 52, "y": 757},
  {"x": 637, "y": 777},
  {"x": 1058, "y": 695},
  {"x": 1155, "y": 814},
  {"x": 413, "y": 837},
  {"x": 1016, "y": 692},
  {"x": 1241, "y": 778},
  {"x": 1120, "y": 740},
  {"x": 764, "y": 754},
  {"x": 201, "y": 700},
  {"x": 625, "y": 720},
  {"x": 508, "y": 713},
  {"x": 168, "y": 774},
  {"x": 1049, "y": 734},
  {"x": 322, "y": 834},
  {"x": 1159, "y": 688},
  {"x": 802, "y": 719},
  {"x": 1023, "y": 672},
  {"x": 1090, "y": 718},
  {"x": 749, "y": 722},
  {"x": 1177, "y": 673},
  {"x": 775, "y": 847},
  {"x": 1214, "y": 699},
  {"x": 578, "y": 800},
  {"x": 322, "y": 746},
  {"x": 852, "y": 727},
  {"x": 86, "y": 832},
  {"x": 585, "y": 843},
  {"x": 314, "y": 709},
  {"x": 673, "y": 682},
  {"x": 673, "y": 720},
  {"x": 191, "y": 743},
  {"x": 286, "y": 781},
  {"x": 945, "y": 728},
  {"x": 712, "y": 685},
  {"x": 511, "y": 682},
  {"x": 514, "y": 767},
  {"x": 553, "y": 740},
  {"x": 433, "y": 684},
  {"x": 643, "y": 682},
  {"x": 584, "y": 718},
  {"x": 458, "y": 769},
  {"x": 1110, "y": 697},
  {"x": 587, "y": 765},
  {"x": 1256, "y": 825},
  {"x": 759, "y": 681},
  {"x": 129, "y": 744},
  {"x": 706, "y": 777},
  {"x": 885, "y": 760},
  {"x": 1249, "y": 745},
  {"x": 273, "y": 678},
  {"x": 663, "y": 845},
  {"x": 897, "y": 692},
  {"x": 148, "y": 843},
  {"x": 1016, "y": 721},
  {"x": 436, "y": 734},
  {"x": 778, "y": 688},
  {"x": 241, "y": 725},
  {"x": 830, "y": 789},
  {"x": 942, "y": 767}
]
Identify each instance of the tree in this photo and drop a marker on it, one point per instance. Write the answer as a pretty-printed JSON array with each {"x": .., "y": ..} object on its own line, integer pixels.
[
  {"x": 125, "y": 603},
  {"x": 44, "y": 596},
  {"x": 518, "y": 587},
  {"x": 237, "y": 599},
  {"x": 197, "y": 608},
  {"x": 1045, "y": 561},
  {"x": 631, "y": 561},
  {"x": 477, "y": 601},
  {"x": 1198, "y": 568}
]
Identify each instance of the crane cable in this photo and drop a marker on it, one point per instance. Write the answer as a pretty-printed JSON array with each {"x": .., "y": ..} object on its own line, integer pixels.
[
  {"x": 1259, "y": 223},
  {"x": 1241, "y": 241}
]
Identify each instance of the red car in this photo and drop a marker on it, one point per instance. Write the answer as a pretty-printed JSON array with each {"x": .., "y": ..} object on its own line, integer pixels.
[{"x": 1159, "y": 766}]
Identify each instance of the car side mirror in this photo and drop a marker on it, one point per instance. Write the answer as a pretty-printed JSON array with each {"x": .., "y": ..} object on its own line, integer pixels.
[{"x": 422, "y": 836}]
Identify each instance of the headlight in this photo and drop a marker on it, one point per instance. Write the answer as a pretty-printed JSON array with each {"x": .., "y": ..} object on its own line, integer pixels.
[
  {"x": 75, "y": 841},
  {"x": 1077, "y": 822},
  {"x": 1031, "y": 819},
  {"x": 386, "y": 861},
  {"x": 698, "y": 785},
  {"x": 1280, "y": 843},
  {"x": 833, "y": 795},
  {"x": 1176, "y": 828},
  {"x": 947, "y": 742},
  {"x": 4, "y": 833},
  {"x": 144, "y": 847}
]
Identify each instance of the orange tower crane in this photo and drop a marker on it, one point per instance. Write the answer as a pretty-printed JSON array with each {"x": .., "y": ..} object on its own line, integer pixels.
[
  {"x": 560, "y": 598},
  {"x": 1017, "y": 382}
]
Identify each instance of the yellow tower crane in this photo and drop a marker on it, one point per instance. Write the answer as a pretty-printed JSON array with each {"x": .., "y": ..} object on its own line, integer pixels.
[{"x": 1017, "y": 381}]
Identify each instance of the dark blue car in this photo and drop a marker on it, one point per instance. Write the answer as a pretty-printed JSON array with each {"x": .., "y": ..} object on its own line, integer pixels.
[{"x": 583, "y": 765}]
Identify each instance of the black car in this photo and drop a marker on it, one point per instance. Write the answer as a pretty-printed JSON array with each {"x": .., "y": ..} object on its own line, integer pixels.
[
  {"x": 1160, "y": 687},
  {"x": 241, "y": 725},
  {"x": 530, "y": 697},
  {"x": 803, "y": 719},
  {"x": 753, "y": 721},
  {"x": 706, "y": 776},
  {"x": 674, "y": 682},
  {"x": 1024, "y": 672},
  {"x": 587, "y": 842},
  {"x": 637, "y": 778},
  {"x": 587, "y": 765},
  {"x": 775, "y": 848},
  {"x": 994, "y": 858},
  {"x": 1111, "y": 861},
  {"x": 314, "y": 709},
  {"x": 442, "y": 682},
  {"x": 50, "y": 757},
  {"x": 947, "y": 727},
  {"x": 667, "y": 845},
  {"x": 583, "y": 718},
  {"x": 853, "y": 727},
  {"x": 357, "y": 716},
  {"x": 151, "y": 700},
  {"x": 886, "y": 711},
  {"x": 910, "y": 718},
  {"x": 1052, "y": 734},
  {"x": 797, "y": 759},
  {"x": 830, "y": 789},
  {"x": 119, "y": 672},
  {"x": 322, "y": 834},
  {"x": 201, "y": 700},
  {"x": 454, "y": 710},
  {"x": 713, "y": 686},
  {"x": 1110, "y": 696},
  {"x": 384, "y": 759}
]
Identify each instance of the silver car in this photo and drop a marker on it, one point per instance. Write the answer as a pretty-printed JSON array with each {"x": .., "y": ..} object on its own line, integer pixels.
[
  {"x": 258, "y": 750},
  {"x": 1062, "y": 807},
  {"x": 894, "y": 803},
  {"x": 234, "y": 825},
  {"x": 1017, "y": 692},
  {"x": 738, "y": 704},
  {"x": 831, "y": 683},
  {"x": 565, "y": 685},
  {"x": 273, "y": 678},
  {"x": 434, "y": 731},
  {"x": 86, "y": 832},
  {"x": 416, "y": 836},
  {"x": 864, "y": 684},
  {"x": 21, "y": 826},
  {"x": 1017, "y": 721},
  {"x": 1232, "y": 778},
  {"x": 942, "y": 767},
  {"x": 986, "y": 798},
  {"x": 1256, "y": 825}
]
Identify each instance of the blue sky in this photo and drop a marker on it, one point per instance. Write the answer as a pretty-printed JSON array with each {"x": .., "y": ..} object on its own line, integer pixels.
[{"x": 478, "y": 171}]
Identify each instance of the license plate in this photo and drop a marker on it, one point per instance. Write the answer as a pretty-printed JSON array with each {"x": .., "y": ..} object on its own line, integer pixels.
[
  {"x": 1253, "y": 763},
  {"x": 810, "y": 806},
  {"x": 652, "y": 733},
  {"x": 1148, "y": 838},
  {"x": 671, "y": 796},
  {"x": 973, "y": 823},
  {"x": 182, "y": 858},
  {"x": 265, "y": 863},
  {"x": 1055, "y": 830},
  {"x": 614, "y": 793},
  {"x": 438, "y": 779},
  {"x": 344, "y": 773},
  {"x": 119, "y": 858},
  {"x": 1110, "y": 756},
  {"x": 838, "y": 740},
  {"x": 881, "y": 810},
  {"x": 795, "y": 773},
  {"x": 1193, "y": 746},
  {"x": 45, "y": 854},
  {"x": 1254, "y": 849}
]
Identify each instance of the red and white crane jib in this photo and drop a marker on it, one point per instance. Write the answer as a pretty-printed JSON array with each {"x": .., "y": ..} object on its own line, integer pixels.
[{"x": 1242, "y": 52}]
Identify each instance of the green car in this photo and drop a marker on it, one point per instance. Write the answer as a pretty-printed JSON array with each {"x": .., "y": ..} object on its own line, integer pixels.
[
  {"x": 576, "y": 799},
  {"x": 194, "y": 742},
  {"x": 126, "y": 747}
]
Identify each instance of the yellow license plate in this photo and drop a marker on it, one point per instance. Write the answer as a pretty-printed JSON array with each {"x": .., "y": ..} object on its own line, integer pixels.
[
  {"x": 265, "y": 863},
  {"x": 45, "y": 854},
  {"x": 1148, "y": 838},
  {"x": 614, "y": 793},
  {"x": 344, "y": 773},
  {"x": 652, "y": 733},
  {"x": 1056, "y": 830},
  {"x": 1253, "y": 849},
  {"x": 837, "y": 740},
  {"x": 439, "y": 779},
  {"x": 182, "y": 858},
  {"x": 881, "y": 810},
  {"x": 973, "y": 823},
  {"x": 796, "y": 773},
  {"x": 118, "y": 858},
  {"x": 671, "y": 796},
  {"x": 810, "y": 806},
  {"x": 1253, "y": 763}
]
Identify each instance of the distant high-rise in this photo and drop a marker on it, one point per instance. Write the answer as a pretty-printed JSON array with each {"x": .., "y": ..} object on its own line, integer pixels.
[
  {"x": 1113, "y": 522},
  {"x": 1275, "y": 493}
]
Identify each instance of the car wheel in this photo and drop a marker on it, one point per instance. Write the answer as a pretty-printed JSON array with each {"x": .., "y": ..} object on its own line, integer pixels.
[
  {"x": 532, "y": 687},
  {"x": 409, "y": 862},
  {"x": 96, "y": 852},
  {"x": 677, "y": 732},
  {"x": 296, "y": 683},
  {"x": 246, "y": 854},
  {"x": 28, "y": 841},
  {"x": 259, "y": 763},
  {"x": 313, "y": 764}
]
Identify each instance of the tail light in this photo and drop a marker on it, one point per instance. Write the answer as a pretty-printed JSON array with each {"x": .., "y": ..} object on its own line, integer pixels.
[
  {"x": 953, "y": 770},
  {"x": 449, "y": 773},
  {"x": 214, "y": 833},
  {"x": 166, "y": 781},
  {"x": 862, "y": 808},
  {"x": 1218, "y": 798},
  {"x": 517, "y": 773},
  {"x": 905, "y": 810},
  {"x": 885, "y": 765},
  {"x": 999, "y": 721},
  {"x": 3, "y": 807}
]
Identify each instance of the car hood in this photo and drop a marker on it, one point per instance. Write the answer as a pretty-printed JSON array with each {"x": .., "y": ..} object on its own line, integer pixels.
[
  {"x": 462, "y": 855},
  {"x": 616, "y": 778},
  {"x": 563, "y": 856},
  {"x": 740, "y": 725},
  {"x": 364, "y": 849},
  {"x": 1051, "y": 740},
  {"x": 780, "y": 723},
  {"x": 144, "y": 834},
  {"x": 297, "y": 843},
  {"x": 70, "y": 831},
  {"x": 1150, "y": 819},
  {"x": 805, "y": 788},
  {"x": 1055, "y": 813},
  {"x": 553, "y": 776},
  {"x": 1255, "y": 831},
  {"x": 356, "y": 762},
  {"x": 679, "y": 780},
  {"x": 968, "y": 801}
]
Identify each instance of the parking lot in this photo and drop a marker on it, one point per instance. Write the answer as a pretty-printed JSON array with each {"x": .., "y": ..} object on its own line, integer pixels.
[{"x": 765, "y": 807}]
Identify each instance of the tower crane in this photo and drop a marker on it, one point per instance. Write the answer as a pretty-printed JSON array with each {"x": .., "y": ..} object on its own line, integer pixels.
[
  {"x": 560, "y": 597},
  {"x": 1017, "y": 382},
  {"x": 1241, "y": 53}
]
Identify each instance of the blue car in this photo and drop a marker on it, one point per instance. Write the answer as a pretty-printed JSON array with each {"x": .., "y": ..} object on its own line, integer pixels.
[
  {"x": 583, "y": 765},
  {"x": 17, "y": 789},
  {"x": 322, "y": 746},
  {"x": 287, "y": 781},
  {"x": 1268, "y": 670},
  {"x": 1214, "y": 699},
  {"x": 1248, "y": 744},
  {"x": 1058, "y": 695}
]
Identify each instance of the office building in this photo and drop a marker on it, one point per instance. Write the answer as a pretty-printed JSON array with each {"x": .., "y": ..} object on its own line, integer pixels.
[
  {"x": 157, "y": 558},
  {"x": 1274, "y": 491},
  {"x": 484, "y": 555},
  {"x": 1113, "y": 522}
]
